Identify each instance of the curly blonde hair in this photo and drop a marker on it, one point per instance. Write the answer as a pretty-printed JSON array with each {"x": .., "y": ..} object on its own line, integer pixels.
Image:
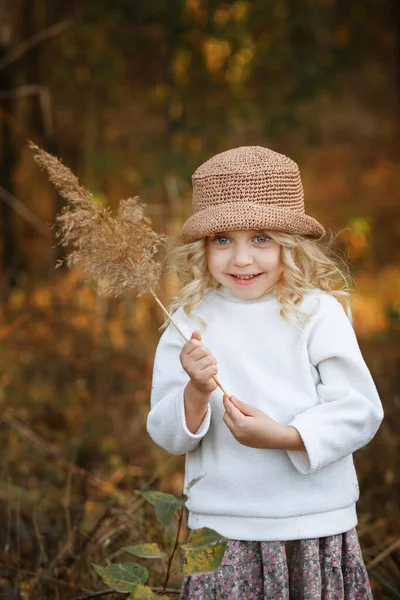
[{"x": 308, "y": 264}]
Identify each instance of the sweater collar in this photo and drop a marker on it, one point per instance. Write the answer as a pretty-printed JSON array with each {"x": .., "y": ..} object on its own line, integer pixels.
[{"x": 228, "y": 295}]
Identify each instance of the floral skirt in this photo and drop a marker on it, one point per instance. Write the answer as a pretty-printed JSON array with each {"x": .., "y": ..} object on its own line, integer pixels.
[{"x": 328, "y": 568}]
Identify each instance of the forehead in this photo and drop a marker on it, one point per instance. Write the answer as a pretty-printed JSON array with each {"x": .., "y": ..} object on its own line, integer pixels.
[{"x": 242, "y": 233}]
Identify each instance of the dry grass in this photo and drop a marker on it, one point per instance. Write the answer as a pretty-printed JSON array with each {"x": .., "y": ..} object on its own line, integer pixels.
[{"x": 114, "y": 254}]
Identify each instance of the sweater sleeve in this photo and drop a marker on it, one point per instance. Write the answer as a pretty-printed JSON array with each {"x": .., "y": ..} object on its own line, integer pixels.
[
  {"x": 166, "y": 423},
  {"x": 349, "y": 411}
]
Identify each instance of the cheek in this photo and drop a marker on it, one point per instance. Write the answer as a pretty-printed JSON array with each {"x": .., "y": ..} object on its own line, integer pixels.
[
  {"x": 212, "y": 261},
  {"x": 273, "y": 262},
  {"x": 279, "y": 263}
]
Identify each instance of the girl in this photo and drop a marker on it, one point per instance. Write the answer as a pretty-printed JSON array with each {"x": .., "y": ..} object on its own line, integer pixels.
[{"x": 275, "y": 459}]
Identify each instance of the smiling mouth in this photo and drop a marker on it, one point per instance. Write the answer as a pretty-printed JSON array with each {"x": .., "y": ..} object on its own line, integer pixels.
[{"x": 246, "y": 277}]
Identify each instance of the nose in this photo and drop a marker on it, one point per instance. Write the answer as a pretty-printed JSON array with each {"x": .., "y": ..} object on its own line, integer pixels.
[{"x": 242, "y": 256}]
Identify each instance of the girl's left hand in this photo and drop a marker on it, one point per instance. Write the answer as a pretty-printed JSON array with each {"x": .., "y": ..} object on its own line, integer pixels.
[{"x": 253, "y": 427}]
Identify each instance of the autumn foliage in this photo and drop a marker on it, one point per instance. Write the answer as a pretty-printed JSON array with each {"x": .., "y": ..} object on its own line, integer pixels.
[{"x": 134, "y": 96}]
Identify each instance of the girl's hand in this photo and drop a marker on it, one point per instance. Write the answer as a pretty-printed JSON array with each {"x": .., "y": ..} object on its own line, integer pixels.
[
  {"x": 253, "y": 427},
  {"x": 199, "y": 364}
]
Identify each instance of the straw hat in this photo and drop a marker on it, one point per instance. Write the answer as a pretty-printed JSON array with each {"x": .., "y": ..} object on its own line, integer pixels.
[{"x": 248, "y": 188}]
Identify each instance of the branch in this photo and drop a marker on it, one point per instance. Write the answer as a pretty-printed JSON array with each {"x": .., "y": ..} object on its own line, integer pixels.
[
  {"x": 44, "y": 99},
  {"x": 53, "y": 451},
  {"x": 174, "y": 548},
  {"x": 383, "y": 554},
  {"x": 24, "y": 212},
  {"x": 26, "y": 45}
]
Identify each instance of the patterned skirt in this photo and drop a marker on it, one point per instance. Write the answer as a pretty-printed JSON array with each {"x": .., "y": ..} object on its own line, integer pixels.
[{"x": 329, "y": 568}]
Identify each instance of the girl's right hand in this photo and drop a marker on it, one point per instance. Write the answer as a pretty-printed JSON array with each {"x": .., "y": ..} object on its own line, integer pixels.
[{"x": 199, "y": 364}]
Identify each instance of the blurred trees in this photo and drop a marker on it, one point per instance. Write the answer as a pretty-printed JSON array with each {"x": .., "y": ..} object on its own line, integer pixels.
[
  {"x": 129, "y": 92},
  {"x": 134, "y": 95}
]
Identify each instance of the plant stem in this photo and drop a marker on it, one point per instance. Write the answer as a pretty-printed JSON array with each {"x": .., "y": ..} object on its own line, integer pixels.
[
  {"x": 174, "y": 549},
  {"x": 170, "y": 317}
]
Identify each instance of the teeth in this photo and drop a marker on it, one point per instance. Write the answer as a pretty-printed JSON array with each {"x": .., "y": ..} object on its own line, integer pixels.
[{"x": 245, "y": 276}]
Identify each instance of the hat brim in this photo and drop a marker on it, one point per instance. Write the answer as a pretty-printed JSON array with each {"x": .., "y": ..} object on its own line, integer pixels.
[{"x": 248, "y": 216}]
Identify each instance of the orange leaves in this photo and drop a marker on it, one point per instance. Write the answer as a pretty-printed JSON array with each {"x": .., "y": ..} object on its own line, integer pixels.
[
  {"x": 181, "y": 66},
  {"x": 341, "y": 36},
  {"x": 240, "y": 63},
  {"x": 356, "y": 237},
  {"x": 236, "y": 11},
  {"x": 219, "y": 57},
  {"x": 41, "y": 297},
  {"x": 377, "y": 301},
  {"x": 369, "y": 316},
  {"x": 216, "y": 51}
]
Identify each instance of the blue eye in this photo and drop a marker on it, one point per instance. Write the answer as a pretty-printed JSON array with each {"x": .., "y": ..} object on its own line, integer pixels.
[
  {"x": 261, "y": 239},
  {"x": 222, "y": 240}
]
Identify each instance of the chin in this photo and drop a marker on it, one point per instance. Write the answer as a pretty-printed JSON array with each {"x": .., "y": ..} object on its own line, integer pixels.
[{"x": 249, "y": 293}]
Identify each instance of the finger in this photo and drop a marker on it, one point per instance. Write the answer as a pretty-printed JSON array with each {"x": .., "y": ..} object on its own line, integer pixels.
[
  {"x": 206, "y": 361},
  {"x": 191, "y": 346},
  {"x": 225, "y": 400},
  {"x": 244, "y": 408},
  {"x": 234, "y": 413},
  {"x": 209, "y": 372},
  {"x": 200, "y": 352},
  {"x": 196, "y": 335}
]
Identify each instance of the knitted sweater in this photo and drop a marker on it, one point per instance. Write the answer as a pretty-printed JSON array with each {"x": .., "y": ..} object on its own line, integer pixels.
[{"x": 312, "y": 377}]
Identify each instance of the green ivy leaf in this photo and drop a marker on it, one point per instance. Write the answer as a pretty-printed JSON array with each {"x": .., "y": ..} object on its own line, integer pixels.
[
  {"x": 165, "y": 505},
  {"x": 203, "y": 551},
  {"x": 143, "y": 592},
  {"x": 203, "y": 537},
  {"x": 202, "y": 560},
  {"x": 122, "y": 577},
  {"x": 146, "y": 550}
]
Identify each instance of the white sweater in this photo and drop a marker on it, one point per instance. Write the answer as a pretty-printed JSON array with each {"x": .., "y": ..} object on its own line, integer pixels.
[{"x": 313, "y": 378}]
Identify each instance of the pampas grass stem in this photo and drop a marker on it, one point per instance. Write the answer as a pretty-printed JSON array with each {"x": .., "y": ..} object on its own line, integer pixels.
[
  {"x": 170, "y": 317},
  {"x": 115, "y": 253}
]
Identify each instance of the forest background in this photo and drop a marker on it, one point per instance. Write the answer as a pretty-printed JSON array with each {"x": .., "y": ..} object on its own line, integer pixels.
[{"x": 134, "y": 95}]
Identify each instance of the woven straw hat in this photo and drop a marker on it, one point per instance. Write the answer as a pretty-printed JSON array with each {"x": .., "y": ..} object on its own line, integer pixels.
[{"x": 248, "y": 188}]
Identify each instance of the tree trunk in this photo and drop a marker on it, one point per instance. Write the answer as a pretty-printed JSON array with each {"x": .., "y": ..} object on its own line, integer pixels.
[
  {"x": 396, "y": 27},
  {"x": 8, "y": 155}
]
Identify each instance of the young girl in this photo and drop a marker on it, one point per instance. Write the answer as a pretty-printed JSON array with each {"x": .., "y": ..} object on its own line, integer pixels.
[{"x": 275, "y": 457}]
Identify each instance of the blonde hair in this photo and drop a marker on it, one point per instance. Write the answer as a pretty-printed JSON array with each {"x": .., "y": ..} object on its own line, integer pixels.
[{"x": 308, "y": 264}]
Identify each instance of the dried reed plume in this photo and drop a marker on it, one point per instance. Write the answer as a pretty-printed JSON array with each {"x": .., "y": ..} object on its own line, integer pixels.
[{"x": 115, "y": 254}]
